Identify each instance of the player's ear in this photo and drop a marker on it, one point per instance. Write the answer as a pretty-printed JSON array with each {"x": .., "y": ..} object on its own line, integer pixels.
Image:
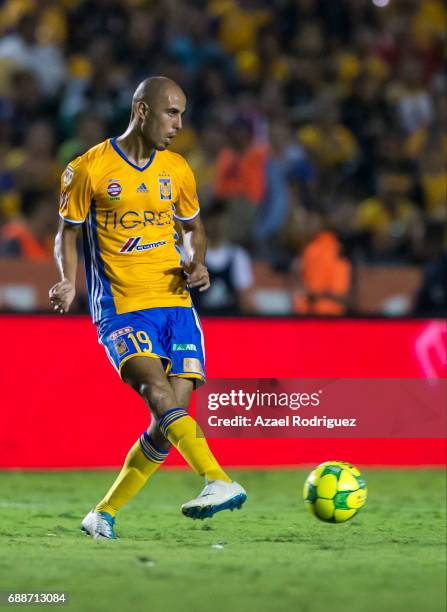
[{"x": 142, "y": 109}]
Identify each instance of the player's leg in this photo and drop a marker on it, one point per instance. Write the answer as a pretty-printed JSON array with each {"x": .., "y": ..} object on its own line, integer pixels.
[
  {"x": 148, "y": 378},
  {"x": 150, "y": 450},
  {"x": 145, "y": 456},
  {"x": 142, "y": 461},
  {"x": 183, "y": 343},
  {"x": 140, "y": 464},
  {"x": 217, "y": 495},
  {"x": 182, "y": 388}
]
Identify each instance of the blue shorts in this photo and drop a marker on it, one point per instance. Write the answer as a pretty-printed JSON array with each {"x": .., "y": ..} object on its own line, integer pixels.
[{"x": 173, "y": 334}]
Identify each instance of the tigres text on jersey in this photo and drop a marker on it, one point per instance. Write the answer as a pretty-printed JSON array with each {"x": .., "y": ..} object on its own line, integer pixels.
[{"x": 128, "y": 214}]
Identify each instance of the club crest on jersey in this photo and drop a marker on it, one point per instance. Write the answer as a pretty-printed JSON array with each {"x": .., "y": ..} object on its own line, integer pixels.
[
  {"x": 164, "y": 184},
  {"x": 68, "y": 176},
  {"x": 114, "y": 189},
  {"x": 133, "y": 244}
]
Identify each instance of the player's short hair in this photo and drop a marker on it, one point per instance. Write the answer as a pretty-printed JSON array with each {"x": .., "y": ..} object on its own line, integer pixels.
[{"x": 150, "y": 89}]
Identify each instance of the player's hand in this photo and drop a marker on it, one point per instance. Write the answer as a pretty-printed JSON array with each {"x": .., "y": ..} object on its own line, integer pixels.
[
  {"x": 62, "y": 295},
  {"x": 197, "y": 276}
]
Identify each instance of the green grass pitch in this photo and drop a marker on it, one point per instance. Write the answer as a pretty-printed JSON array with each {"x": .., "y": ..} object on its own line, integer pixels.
[{"x": 270, "y": 556}]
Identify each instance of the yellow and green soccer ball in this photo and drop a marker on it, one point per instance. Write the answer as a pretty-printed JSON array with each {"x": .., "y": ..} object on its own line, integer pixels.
[{"x": 334, "y": 491}]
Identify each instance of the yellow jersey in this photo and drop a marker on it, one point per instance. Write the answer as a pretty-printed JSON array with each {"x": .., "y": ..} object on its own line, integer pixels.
[{"x": 128, "y": 215}]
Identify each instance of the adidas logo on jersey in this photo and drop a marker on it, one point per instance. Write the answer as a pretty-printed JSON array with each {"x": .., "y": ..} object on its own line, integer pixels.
[{"x": 142, "y": 189}]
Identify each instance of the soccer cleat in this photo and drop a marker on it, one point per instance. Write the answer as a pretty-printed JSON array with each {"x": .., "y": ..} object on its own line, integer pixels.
[
  {"x": 216, "y": 496},
  {"x": 99, "y": 525}
]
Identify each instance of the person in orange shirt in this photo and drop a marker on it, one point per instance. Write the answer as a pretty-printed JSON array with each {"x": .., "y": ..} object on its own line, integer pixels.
[
  {"x": 29, "y": 236},
  {"x": 241, "y": 179},
  {"x": 241, "y": 165},
  {"x": 325, "y": 278}
]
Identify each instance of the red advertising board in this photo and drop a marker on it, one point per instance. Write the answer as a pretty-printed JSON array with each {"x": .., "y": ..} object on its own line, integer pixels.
[{"x": 64, "y": 406}]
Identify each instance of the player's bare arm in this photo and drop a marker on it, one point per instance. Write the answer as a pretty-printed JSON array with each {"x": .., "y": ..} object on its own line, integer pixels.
[
  {"x": 65, "y": 253},
  {"x": 195, "y": 243}
]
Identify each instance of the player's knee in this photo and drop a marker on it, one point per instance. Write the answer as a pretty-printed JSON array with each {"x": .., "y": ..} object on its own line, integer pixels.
[{"x": 157, "y": 395}]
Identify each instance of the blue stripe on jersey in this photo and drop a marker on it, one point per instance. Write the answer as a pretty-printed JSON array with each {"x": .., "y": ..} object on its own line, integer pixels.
[
  {"x": 177, "y": 248},
  {"x": 87, "y": 264},
  {"x": 182, "y": 261},
  {"x": 104, "y": 298},
  {"x": 100, "y": 296},
  {"x": 187, "y": 218},
  {"x": 70, "y": 221},
  {"x": 95, "y": 285}
]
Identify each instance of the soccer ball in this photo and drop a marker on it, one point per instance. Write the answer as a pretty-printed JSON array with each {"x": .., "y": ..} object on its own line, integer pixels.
[{"x": 334, "y": 491}]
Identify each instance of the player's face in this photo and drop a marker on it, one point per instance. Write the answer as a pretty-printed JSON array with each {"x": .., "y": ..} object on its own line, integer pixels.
[{"x": 164, "y": 119}]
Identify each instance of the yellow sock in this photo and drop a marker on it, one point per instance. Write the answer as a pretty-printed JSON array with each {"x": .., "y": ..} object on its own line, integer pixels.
[
  {"x": 183, "y": 432},
  {"x": 141, "y": 462}
]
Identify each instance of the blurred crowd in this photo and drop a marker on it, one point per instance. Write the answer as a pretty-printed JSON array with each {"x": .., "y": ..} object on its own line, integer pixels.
[{"x": 316, "y": 128}]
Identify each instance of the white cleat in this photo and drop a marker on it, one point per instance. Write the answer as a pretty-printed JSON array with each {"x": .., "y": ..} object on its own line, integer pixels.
[
  {"x": 99, "y": 525},
  {"x": 216, "y": 496}
]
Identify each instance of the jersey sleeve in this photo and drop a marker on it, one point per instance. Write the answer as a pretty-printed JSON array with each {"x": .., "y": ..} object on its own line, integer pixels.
[
  {"x": 76, "y": 192},
  {"x": 187, "y": 206}
]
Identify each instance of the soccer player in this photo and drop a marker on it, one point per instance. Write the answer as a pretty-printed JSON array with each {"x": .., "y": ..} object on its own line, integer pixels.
[{"x": 127, "y": 193}]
